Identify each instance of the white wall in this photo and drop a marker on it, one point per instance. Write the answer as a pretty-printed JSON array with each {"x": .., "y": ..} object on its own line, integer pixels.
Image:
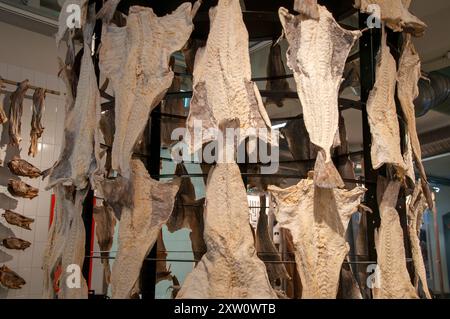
[{"x": 25, "y": 54}]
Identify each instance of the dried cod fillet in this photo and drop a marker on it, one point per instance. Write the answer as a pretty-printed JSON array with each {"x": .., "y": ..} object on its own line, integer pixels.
[
  {"x": 17, "y": 220},
  {"x": 10, "y": 279},
  {"x": 267, "y": 250},
  {"x": 415, "y": 210},
  {"x": 222, "y": 79},
  {"x": 15, "y": 113},
  {"x": 18, "y": 188},
  {"x": 22, "y": 168},
  {"x": 36, "y": 126},
  {"x": 188, "y": 213},
  {"x": 65, "y": 244},
  {"x": 317, "y": 219},
  {"x": 3, "y": 117},
  {"x": 105, "y": 223},
  {"x": 317, "y": 54},
  {"x": 396, "y": 15},
  {"x": 382, "y": 112},
  {"x": 15, "y": 243},
  {"x": 80, "y": 148},
  {"x": 393, "y": 277},
  {"x": 230, "y": 268},
  {"x": 275, "y": 68},
  {"x": 409, "y": 73},
  {"x": 136, "y": 60},
  {"x": 139, "y": 227}
]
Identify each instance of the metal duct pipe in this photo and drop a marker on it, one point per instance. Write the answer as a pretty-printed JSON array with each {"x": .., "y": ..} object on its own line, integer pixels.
[{"x": 432, "y": 93}]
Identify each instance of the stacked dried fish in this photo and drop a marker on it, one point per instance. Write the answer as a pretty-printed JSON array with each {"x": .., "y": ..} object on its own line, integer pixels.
[
  {"x": 15, "y": 243},
  {"x": 222, "y": 86},
  {"x": 136, "y": 60},
  {"x": 36, "y": 126},
  {"x": 10, "y": 279},
  {"x": 18, "y": 188},
  {"x": 17, "y": 219},
  {"x": 20, "y": 167},
  {"x": 3, "y": 117},
  {"x": 317, "y": 54},
  {"x": 15, "y": 113},
  {"x": 317, "y": 219},
  {"x": 395, "y": 14}
]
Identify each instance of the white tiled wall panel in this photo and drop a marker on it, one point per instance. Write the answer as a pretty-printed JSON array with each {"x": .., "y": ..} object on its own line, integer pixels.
[{"x": 28, "y": 263}]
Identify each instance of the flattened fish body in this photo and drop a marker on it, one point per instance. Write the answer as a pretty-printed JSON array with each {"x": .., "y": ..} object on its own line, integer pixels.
[
  {"x": 23, "y": 168},
  {"x": 36, "y": 126},
  {"x": 136, "y": 60},
  {"x": 10, "y": 279},
  {"x": 317, "y": 54},
  {"x": 396, "y": 15},
  {"x": 393, "y": 278},
  {"x": 15, "y": 113},
  {"x": 230, "y": 268},
  {"x": 16, "y": 243},
  {"x": 152, "y": 203},
  {"x": 17, "y": 219},
  {"x": 382, "y": 112},
  {"x": 222, "y": 78},
  {"x": 318, "y": 220},
  {"x": 20, "y": 189}
]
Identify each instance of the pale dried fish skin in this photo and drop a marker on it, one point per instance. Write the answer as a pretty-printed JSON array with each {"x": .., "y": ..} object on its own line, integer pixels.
[
  {"x": 15, "y": 113},
  {"x": 15, "y": 243},
  {"x": 140, "y": 224},
  {"x": 382, "y": 112},
  {"x": 396, "y": 15},
  {"x": 136, "y": 60},
  {"x": 318, "y": 80},
  {"x": 308, "y": 8},
  {"x": 36, "y": 126},
  {"x": 222, "y": 84},
  {"x": 393, "y": 279},
  {"x": 17, "y": 219},
  {"x": 10, "y": 279},
  {"x": 20, "y": 167},
  {"x": 18, "y": 188},
  {"x": 318, "y": 216},
  {"x": 230, "y": 268}
]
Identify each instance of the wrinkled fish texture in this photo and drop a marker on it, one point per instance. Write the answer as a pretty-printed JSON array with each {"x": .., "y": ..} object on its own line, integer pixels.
[
  {"x": 79, "y": 155},
  {"x": 105, "y": 223},
  {"x": 15, "y": 113},
  {"x": 222, "y": 79},
  {"x": 409, "y": 73},
  {"x": 317, "y": 54},
  {"x": 17, "y": 220},
  {"x": 18, "y": 188},
  {"x": 3, "y": 116},
  {"x": 393, "y": 279},
  {"x": 21, "y": 167},
  {"x": 415, "y": 211},
  {"x": 65, "y": 244},
  {"x": 188, "y": 213},
  {"x": 395, "y": 14},
  {"x": 308, "y": 8},
  {"x": 267, "y": 250},
  {"x": 16, "y": 243},
  {"x": 318, "y": 220},
  {"x": 382, "y": 112},
  {"x": 140, "y": 224},
  {"x": 275, "y": 68},
  {"x": 230, "y": 268},
  {"x": 136, "y": 60},
  {"x": 36, "y": 126},
  {"x": 10, "y": 279}
]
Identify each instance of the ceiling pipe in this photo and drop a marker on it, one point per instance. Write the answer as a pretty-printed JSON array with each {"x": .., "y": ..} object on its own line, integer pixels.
[{"x": 433, "y": 92}]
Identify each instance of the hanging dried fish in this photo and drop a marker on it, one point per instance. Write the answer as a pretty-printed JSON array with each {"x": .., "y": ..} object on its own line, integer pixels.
[
  {"x": 307, "y": 8},
  {"x": 15, "y": 113},
  {"x": 317, "y": 54},
  {"x": 275, "y": 68},
  {"x": 3, "y": 117},
  {"x": 17, "y": 219},
  {"x": 67, "y": 21},
  {"x": 10, "y": 279},
  {"x": 106, "y": 13},
  {"x": 20, "y": 189},
  {"x": 16, "y": 243},
  {"x": 21, "y": 167},
  {"x": 36, "y": 126}
]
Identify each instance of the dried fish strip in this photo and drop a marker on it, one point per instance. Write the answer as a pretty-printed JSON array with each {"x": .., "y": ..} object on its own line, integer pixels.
[
  {"x": 15, "y": 113},
  {"x": 36, "y": 126}
]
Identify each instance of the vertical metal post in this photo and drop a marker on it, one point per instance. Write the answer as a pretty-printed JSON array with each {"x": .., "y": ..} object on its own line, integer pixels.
[{"x": 148, "y": 272}]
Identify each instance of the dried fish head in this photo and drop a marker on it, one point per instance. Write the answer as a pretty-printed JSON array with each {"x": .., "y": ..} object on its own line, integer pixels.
[
  {"x": 10, "y": 279},
  {"x": 23, "y": 168},
  {"x": 16, "y": 243}
]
